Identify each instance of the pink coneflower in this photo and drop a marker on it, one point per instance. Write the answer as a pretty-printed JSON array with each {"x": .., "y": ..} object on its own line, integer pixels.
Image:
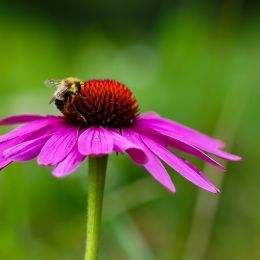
[
  {"x": 107, "y": 120},
  {"x": 101, "y": 117}
]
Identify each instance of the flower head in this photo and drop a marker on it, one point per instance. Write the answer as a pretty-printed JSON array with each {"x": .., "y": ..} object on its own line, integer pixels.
[{"x": 104, "y": 118}]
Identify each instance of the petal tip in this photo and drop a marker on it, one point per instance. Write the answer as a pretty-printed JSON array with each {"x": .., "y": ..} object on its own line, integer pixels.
[
  {"x": 237, "y": 158},
  {"x": 57, "y": 174},
  {"x": 217, "y": 191},
  {"x": 172, "y": 189}
]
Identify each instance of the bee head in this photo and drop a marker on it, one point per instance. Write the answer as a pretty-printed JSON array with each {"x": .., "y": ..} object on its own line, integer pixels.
[{"x": 73, "y": 84}]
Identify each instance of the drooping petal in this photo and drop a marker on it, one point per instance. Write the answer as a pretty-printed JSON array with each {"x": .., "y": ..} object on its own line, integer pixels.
[
  {"x": 58, "y": 146},
  {"x": 162, "y": 126},
  {"x": 69, "y": 164},
  {"x": 25, "y": 151},
  {"x": 95, "y": 141},
  {"x": 164, "y": 139},
  {"x": 179, "y": 165},
  {"x": 4, "y": 162},
  {"x": 31, "y": 127},
  {"x": 121, "y": 144},
  {"x": 200, "y": 173},
  {"x": 224, "y": 155},
  {"x": 154, "y": 121},
  {"x": 153, "y": 165},
  {"x": 7, "y": 144},
  {"x": 12, "y": 120}
]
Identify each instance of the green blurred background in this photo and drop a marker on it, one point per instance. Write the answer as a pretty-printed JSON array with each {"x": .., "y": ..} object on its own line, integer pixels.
[{"x": 196, "y": 62}]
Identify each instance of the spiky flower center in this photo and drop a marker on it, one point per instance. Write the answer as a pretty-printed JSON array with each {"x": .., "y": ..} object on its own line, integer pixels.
[{"x": 103, "y": 102}]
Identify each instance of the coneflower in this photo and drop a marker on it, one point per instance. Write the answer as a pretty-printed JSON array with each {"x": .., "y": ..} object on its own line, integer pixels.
[{"x": 107, "y": 120}]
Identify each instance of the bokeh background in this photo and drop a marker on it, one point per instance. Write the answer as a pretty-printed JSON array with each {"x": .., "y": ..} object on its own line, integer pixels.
[{"x": 196, "y": 62}]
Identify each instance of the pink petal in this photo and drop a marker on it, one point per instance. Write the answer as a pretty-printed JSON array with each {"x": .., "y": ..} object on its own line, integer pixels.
[
  {"x": 121, "y": 144},
  {"x": 69, "y": 164},
  {"x": 179, "y": 165},
  {"x": 164, "y": 139},
  {"x": 31, "y": 127},
  {"x": 58, "y": 147},
  {"x": 182, "y": 132},
  {"x": 11, "y": 120},
  {"x": 224, "y": 155},
  {"x": 174, "y": 130},
  {"x": 95, "y": 141},
  {"x": 5, "y": 145},
  {"x": 4, "y": 163},
  {"x": 153, "y": 166},
  {"x": 198, "y": 172},
  {"x": 25, "y": 151}
]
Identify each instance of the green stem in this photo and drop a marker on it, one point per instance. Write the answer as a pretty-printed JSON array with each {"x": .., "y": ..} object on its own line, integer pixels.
[{"x": 96, "y": 185}]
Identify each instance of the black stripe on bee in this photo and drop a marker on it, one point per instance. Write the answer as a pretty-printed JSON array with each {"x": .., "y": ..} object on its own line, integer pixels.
[{"x": 60, "y": 104}]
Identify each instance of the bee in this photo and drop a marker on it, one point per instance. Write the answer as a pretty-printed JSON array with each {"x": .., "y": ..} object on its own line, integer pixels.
[{"x": 67, "y": 91}]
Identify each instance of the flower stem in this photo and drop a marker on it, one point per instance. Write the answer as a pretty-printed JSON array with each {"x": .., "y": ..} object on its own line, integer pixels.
[{"x": 96, "y": 185}]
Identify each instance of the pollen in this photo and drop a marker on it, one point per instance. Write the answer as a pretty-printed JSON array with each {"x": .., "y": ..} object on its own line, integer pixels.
[{"x": 103, "y": 102}]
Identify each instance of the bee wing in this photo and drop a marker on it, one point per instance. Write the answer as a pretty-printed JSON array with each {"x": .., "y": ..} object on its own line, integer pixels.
[
  {"x": 52, "y": 99},
  {"x": 52, "y": 82},
  {"x": 59, "y": 94}
]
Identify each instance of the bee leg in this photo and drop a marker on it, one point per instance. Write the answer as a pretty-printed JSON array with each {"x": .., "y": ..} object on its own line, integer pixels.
[
  {"x": 83, "y": 118},
  {"x": 120, "y": 130},
  {"x": 82, "y": 97},
  {"x": 75, "y": 111}
]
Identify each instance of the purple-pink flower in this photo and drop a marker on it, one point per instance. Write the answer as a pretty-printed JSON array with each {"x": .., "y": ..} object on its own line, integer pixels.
[{"x": 62, "y": 144}]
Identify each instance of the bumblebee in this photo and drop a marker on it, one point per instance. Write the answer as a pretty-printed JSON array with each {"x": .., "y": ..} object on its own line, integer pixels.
[{"x": 64, "y": 97}]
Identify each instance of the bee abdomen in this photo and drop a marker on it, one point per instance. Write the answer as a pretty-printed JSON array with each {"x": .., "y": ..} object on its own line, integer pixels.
[{"x": 60, "y": 104}]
